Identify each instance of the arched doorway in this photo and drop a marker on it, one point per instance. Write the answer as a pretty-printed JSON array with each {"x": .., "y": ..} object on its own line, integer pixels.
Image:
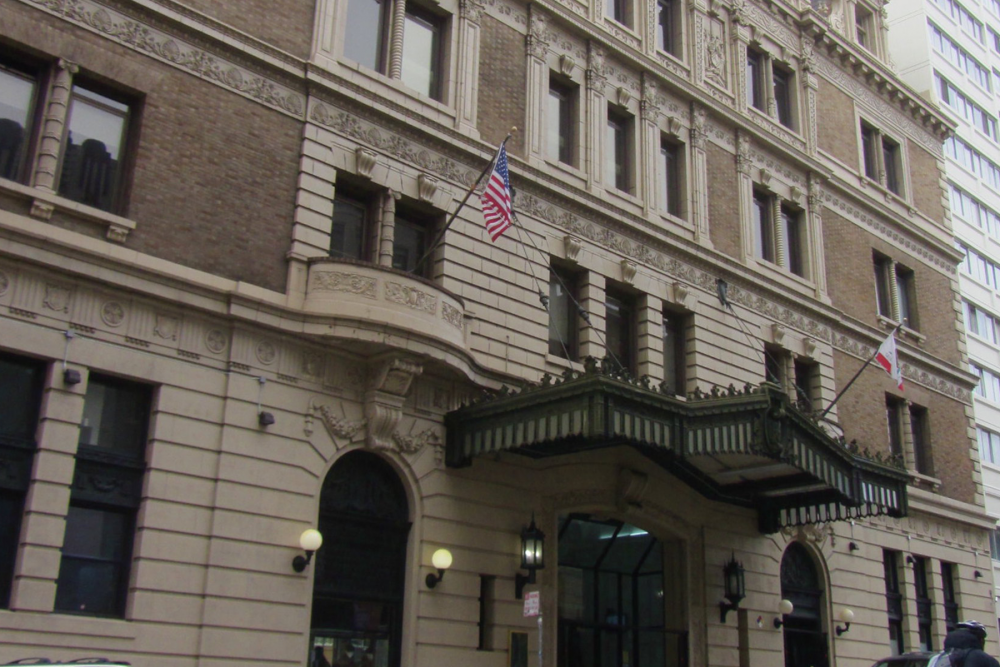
[
  {"x": 622, "y": 597},
  {"x": 805, "y": 641},
  {"x": 360, "y": 570}
]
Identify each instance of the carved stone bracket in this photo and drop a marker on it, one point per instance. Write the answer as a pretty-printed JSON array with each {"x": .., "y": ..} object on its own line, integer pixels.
[
  {"x": 573, "y": 246},
  {"x": 631, "y": 487},
  {"x": 391, "y": 379},
  {"x": 427, "y": 186},
  {"x": 366, "y": 161},
  {"x": 628, "y": 271}
]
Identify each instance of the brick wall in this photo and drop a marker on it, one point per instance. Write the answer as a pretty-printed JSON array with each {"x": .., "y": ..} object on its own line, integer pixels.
[
  {"x": 222, "y": 203},
  {"x": 502, "y": 94},
  {"x": 837, "y": 134},
  {"x": 286, "y": 24},
  {"x": 925, "y": 179},
  {"x": 723, "y": 202}
]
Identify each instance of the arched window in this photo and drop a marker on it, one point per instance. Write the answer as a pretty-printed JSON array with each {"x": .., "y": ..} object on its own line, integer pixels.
[
  {"x": 805, "y": 640},
  {"x": 621, "y": 596},
  {"x": 358, "y": 591}
]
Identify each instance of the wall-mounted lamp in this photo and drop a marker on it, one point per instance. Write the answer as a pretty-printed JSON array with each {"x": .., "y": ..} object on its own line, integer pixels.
[
  {"x": 310, "y": 540},
  {"x": 263, "y": 418},
  {"x": 846, "y": 616},
  {"x": 853, "y": 546},
  {"x": 785, "y": 607},
  {"x": 532, "y": 557},
  {"x": 977, "y": 574},
  {"x": 736, "y": 588},
  {"x": 70, "y": 375},
  {"x": 909, "y": 560},
  {"x": 441, "y": 560}
]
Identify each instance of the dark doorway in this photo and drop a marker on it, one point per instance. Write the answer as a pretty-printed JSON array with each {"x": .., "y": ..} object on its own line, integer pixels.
[{"x": 805, "y": 642}]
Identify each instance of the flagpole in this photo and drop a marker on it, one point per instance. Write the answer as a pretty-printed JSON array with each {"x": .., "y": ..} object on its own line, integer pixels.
[
  {"x": 451, "y": 219},
  {"x": 856, "y": 376}
]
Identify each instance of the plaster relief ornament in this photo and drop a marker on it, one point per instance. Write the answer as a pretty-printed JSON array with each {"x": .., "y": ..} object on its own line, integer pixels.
[
  {"x": 215, "y": 340},
  {"x": 166, "y": 327},
  {"x": 112, "y": 314},
  {"x": 56, "y": 298},
  {"x": 715, "y": 61},
  {"x": 266, "y": 352}
]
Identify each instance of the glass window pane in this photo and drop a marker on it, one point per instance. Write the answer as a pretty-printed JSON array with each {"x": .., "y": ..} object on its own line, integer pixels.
[
  {"x": 92, "y": 158},
  {"x": 347, "y": 233},
  {"x": 94, "y": 533},
  {"x": 421, "y": 53},
  {"x": 115, "y": 416},
  {"x": 408, "y": 245},
  {"x": 88, "y": 587},
  {"x": 17, "y": 94},
  {"x": 364, "y": 35}
]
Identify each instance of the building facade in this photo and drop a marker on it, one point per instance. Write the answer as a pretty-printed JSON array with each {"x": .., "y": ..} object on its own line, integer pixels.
[
  {"x": 950, "y": 53},
  {"x": 226, "y": 319}
]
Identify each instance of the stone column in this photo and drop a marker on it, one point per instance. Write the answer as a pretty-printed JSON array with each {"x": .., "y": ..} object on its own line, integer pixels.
[
  {"x": 893, "y": 290},
  {"x": 649, "y": 335},
  {"x": 698, "y": 173},
  {"x": 816, "y": 259},
  {"x": 396, "y": 39},
  {"x": 47, "y": 502},
  {"x": 54, "y": 125},
  {"x": 745, "y": 191},
  {"x": 740, "y": 38},
  {"x": 597, "y": 114},
  {"x": 649, "y": 133},
  {"x": 810, "y": 84},
  {"x": 387, "y": 233},
  {"x": 778, "y": 232},
  {"x": 592, "y": 294},
  {"x": 909, "y": 452},
  {"x": 471, "y": 12},
  {"x": 538, "y": 83}
]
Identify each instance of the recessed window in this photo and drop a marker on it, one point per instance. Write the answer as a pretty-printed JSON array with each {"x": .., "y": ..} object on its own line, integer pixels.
[
  {"x": 350, "y": 229},
  {"x": 863, "y": 22},
  {"x": 365, "y": 37},
  {"x": 783, "y": 95},
  {"x": 620, "y": 333},
  {"x": 619, "y": 148},
  {"x": 675, "y": 326},
  {"x": 948, "y": 572},
  {"x": 107, "y": 484},
  {"x": 620, "y": 11},
  {"x": 895, "y": 291},
  {"x": 18, "y": 91},
  {"x": 806, "y": 384},
  {"x": 561, "y": 137},
  {"x": 91, "y": 171},
  {"x": 763, "y": 226},
  {"x": 793, "y": 239},
  {"x": 668, "y": 33},
  {"x": 564, "y": 319},
  {"x": 756, "y": 94},
  {"x": 410, "y": 243},
  {"x": 919, "y": 430},
  {"x": 893, "y": 600},
  {"x": 422, "y": 51},
  {"x": 882, "y": 159},
  {"x": 671, "y": 157},
  {"x": 894, "y": 422},
  {"x": 925, "y": 616}
]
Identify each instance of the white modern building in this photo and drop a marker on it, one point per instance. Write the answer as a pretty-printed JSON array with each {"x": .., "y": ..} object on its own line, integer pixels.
[{"x": 949, "y": 51}]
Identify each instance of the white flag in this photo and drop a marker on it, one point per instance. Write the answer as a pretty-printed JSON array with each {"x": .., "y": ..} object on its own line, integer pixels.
[{"x": 886, "y": 357}]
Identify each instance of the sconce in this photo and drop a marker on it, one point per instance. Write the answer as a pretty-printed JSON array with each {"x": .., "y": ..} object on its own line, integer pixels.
[
  {"x": 441, "y": 560},
  {"x": 532, "y": 556},
  {"x": 265, "y": 418},
  {"x": 852, "y": 546},
  {"x": 909, "y": 560},
  {"x": 977, "y": 574},
  {"x": 310, "y": 540},
  {"x": 71, "y": 376},
  {"x": 736, "y": 589},
  {"x": 847, "y": 616},
  {"x": 785, "y": 607}
]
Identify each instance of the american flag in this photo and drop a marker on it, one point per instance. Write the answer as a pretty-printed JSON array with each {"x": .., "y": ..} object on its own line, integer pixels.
[{"x": 497, "y": 209}]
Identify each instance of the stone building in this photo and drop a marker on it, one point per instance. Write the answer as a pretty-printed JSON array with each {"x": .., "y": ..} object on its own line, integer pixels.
[
  {"x": 950, "y": 53},
  {"x": 224, "y": 320}
]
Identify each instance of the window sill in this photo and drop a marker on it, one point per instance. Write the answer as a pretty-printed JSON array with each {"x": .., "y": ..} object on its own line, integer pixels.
[
  {"x": 781, "y": 274},
  {"x": 565, "y": 168},
  {"x": 765, "y": 117},
  {"x": 44, "y": 204},
  {"x": 387, "y": 87},
  {"x": 562, "y": 362},
  {"x": 922, "y": 481},
  {"x": 904, "y": 331},
  {"x": 624, "y": 197},
  {"x": 890, "y": 196}
]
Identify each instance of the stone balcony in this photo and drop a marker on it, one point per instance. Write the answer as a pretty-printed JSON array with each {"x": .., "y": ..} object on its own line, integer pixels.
[{"x": 384, "y": 298}]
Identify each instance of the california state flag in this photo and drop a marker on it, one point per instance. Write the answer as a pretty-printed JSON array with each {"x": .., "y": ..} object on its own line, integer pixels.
[{"x": 886, "y": 357}]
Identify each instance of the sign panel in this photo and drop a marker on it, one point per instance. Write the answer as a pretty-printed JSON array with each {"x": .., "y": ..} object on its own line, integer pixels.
[{"x": 532, "y": 604}]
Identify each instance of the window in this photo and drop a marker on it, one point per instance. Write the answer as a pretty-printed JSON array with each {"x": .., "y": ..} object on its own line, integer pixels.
[
  {"x": 981, "y": 119},
  {"x": 974, "y": 212},
  {"x": 979, "y": 268},
  {"x": 970, "y": 158},
  {"x": 620, "y": 336},
  {"x": 670, "y": 176},
  {"x": 107, "y": 484},
  {"x": 981, "y": 323},
  {"x": 620, "y": 11},
  {"x": 794, "y": 254},
  {"x": 775, "y": 365},
  {"x": 959, "y": 57},
  {"x": 675, "y": 325},
  {"x": 487, "y": 603},
  {"x": 806, "y": 384},
  {"x": 619, "y": 146},
  {"x": 895, "y": 291},
  {"x": 351, "y": 227},
  {"x": 863, "y": 22},
  {"x": 668, "y": 21},
  {"x": 621, "y": 595},
  {"x": 782, "y": 80},
  {"x": 920, "y": 432},
  {"x": 763, "y": 226},
  {"x": 370, "y": 40},
  {"x": 18, "y": 91},
  {"x": 422, "y": 51},
  {"x": 995, "y": 544},
  {"x": 989, "y": 445},
  {"x": 21, "y": 382},
  {"x": 894, "y": 421},
  {"x": 882, "y": 159},
  {"x": 562, "y": 121},
  {"x": 411, "y": 237},
  {"x": 564, "y": 319},
  {"x": 924, "y": 608},
  {"x": 359, "y": 578},
  {"x": 804, "y": 640},
  {"x": 989, "y": 383},
  {"x": 756, "y": 95},
  {"x": 893, "y": 600},
  {"x": 948, "y": 593}
]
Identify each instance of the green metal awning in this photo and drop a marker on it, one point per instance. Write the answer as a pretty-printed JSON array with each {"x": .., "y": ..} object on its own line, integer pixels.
[{"x": 749, "y": 447}]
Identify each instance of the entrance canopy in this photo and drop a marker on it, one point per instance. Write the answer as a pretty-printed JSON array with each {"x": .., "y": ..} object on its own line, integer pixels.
[{"x": 751, "y": 448}]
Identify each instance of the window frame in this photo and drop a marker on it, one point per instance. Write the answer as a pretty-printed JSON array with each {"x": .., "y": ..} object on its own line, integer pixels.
[
  {"x": 563, "y": 125},
  {"x": 669, "y": 31},
  {"x": 620, "y": 150},
  {"x": 417, "y": 13},
  {"x": 671, "y": 176},
  {"x": 15, "y": 68},
  {"x": 675, "y": 326},
  {"x": 358, "y": 202},
  {"x": 563, "y": 276},
  {"x": 882, "y": 159},
  {"x": 627, "y": 307}
]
